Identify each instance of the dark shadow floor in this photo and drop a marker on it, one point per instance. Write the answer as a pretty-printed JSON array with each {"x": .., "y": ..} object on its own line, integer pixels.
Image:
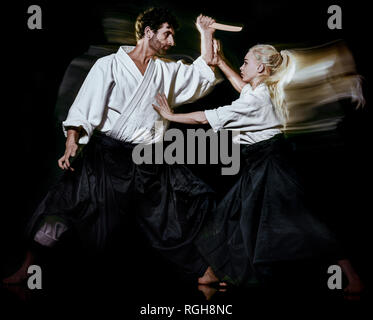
[{"x": 120, "y": 283}]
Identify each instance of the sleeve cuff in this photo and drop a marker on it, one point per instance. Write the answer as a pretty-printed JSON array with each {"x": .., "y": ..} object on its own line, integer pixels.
[
  {"x": 213, "y": 119},
  {"x": 205, "y": 70},
  {"x": 78, "y": 123}
]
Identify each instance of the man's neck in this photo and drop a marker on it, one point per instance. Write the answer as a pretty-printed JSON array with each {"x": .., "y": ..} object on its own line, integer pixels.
[{"x": 142, "y": 53}]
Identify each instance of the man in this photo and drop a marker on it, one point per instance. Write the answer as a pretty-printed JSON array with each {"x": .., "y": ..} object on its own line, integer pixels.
[{"x": 110, "y": 115}]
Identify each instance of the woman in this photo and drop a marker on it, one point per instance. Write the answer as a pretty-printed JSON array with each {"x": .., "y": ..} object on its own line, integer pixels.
[{"x": 263, "y": 220}]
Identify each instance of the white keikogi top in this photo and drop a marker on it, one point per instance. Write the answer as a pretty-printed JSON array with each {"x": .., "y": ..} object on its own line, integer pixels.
[
  {"x": 253, "y": 114},
  {"x": 117, "y": 99}
]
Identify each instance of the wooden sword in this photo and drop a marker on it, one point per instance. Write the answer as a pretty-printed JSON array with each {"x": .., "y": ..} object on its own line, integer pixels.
[{"x": 225, "y": 27}]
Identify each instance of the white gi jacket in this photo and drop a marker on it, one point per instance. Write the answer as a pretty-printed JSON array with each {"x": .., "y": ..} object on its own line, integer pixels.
[
  {"x": 117, "y": 99},
  {"x": 253, "y": 114}
]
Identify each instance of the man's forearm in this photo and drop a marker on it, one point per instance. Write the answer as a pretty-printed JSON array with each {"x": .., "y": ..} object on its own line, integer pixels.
[
  {"x": 203, "y": 24},
  {"x": 73, "y": 133},
  {"x": 207, "y": 49}
]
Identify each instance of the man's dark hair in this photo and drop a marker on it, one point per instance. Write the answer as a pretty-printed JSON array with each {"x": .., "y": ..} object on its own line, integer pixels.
[{"x": 154, "y": 18}]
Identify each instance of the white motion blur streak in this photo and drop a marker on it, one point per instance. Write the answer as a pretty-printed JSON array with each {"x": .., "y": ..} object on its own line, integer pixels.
[{"x": 319, "y": 77}]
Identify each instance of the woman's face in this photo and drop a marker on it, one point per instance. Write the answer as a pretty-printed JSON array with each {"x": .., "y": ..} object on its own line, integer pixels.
[{"x": 250, "y": 68}]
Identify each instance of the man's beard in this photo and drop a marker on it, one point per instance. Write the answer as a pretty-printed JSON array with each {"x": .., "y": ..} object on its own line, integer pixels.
[{"x": 156, "y": 45}]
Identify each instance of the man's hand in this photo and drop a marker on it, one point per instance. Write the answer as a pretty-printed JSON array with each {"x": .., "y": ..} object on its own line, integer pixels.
[
  {"x": 71, "y": 149},
  {"x": 203, "y": 24}
]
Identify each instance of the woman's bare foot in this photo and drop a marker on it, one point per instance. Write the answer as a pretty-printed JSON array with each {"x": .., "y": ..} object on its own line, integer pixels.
[
  {"x": 209, "y": 291},
  {"x": 355, "y": 286},
  {"x": 21, "y": 274},
  {"x": 208, "y": 277}
]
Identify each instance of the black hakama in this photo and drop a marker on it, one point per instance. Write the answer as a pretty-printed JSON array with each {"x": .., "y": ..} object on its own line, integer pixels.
[
  {"x": 263, "y": 220},
  {"x": 168, "y": 202}
]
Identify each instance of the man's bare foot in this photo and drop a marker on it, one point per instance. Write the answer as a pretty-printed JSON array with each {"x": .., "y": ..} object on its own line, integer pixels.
[
  {"x": 208, "y": 277},
  {"x": 22, "y": 292},
  {"x": 21, "y": 273}
]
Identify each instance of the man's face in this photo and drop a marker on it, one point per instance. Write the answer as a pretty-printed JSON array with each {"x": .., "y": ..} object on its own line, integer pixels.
[{"x": 163, "y": 39}]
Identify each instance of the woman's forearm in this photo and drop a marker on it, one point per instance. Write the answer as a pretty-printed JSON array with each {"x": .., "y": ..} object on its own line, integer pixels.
[
  {"x": 197, "y": 117},
  {"x": 233, "y": 77}
]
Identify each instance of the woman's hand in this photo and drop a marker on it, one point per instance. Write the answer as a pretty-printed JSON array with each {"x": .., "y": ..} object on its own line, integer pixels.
[
  {"x": 197, "y": 117},
  {"x": 219, "y": 60},
  {"x": 163, "y": 109},
  {"x": 217, "y": 54}
]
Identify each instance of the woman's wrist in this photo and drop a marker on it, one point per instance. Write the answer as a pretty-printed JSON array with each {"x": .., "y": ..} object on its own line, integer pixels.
[
  {"x": 171, "y": 116},
  {"x": 221, "y": 63}
]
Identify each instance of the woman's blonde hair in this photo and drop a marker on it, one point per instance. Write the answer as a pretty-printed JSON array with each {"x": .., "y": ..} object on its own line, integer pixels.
[
  {"x": 280, "y": 69},
  {"x": 302, "y": 80}
]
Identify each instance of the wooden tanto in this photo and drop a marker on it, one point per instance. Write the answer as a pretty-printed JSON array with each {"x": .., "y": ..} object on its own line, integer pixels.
[{"x": 225, "y": 27}]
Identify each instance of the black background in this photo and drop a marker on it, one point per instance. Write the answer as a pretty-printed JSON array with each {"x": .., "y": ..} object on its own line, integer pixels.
[{"x": 336, "y": 169}]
